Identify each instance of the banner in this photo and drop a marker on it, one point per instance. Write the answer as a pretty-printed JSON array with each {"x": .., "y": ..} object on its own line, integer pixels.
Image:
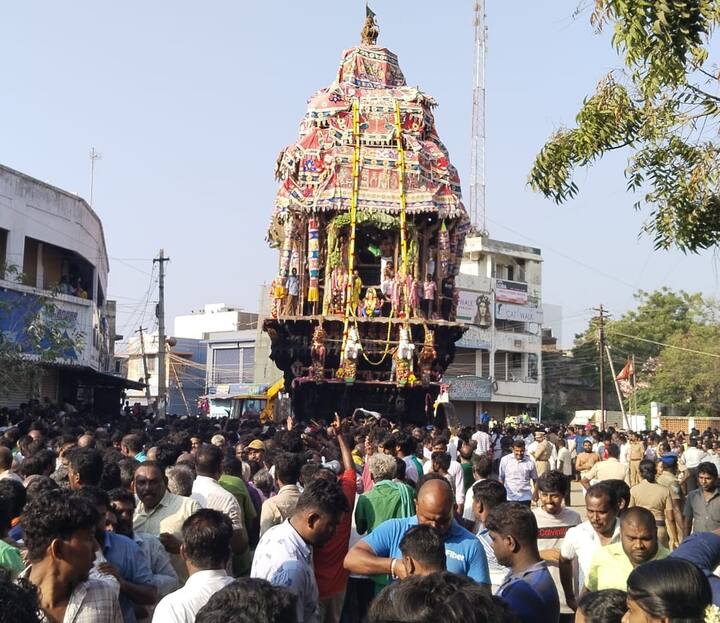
[
  {"x": 511, "y": 291},
  {"x": 475, "y": 337},
  {"x": 474, "y": 308},
  {"x": 518, "y": 313},
  {"x": 470, "y": 388}
]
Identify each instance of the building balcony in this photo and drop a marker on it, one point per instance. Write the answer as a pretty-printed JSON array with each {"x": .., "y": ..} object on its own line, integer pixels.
[
  {"x": 519, "y": 388},
  {"x": 517, "y": 342},
  {"x": 78, "y": 316}
]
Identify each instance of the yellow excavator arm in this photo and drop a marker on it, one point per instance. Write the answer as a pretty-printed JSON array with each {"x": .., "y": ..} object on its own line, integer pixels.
[{"x": 268, "y": 413}]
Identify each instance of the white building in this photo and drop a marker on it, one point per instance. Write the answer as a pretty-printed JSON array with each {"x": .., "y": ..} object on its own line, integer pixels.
[
  {"x": 497, "y": 361},
  {"x": 49, "y": 238},
  {"x": 213, "y": 318},
  {"x": 184, "y": 372}
]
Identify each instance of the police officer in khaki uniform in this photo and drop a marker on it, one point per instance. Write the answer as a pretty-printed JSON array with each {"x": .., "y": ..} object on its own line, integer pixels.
[
  {"x": 656, "y": 498},
  {"x": 542, "y": 453},
  {"x": 635, "y": 455},
  {"x": 667, "y": 476}
]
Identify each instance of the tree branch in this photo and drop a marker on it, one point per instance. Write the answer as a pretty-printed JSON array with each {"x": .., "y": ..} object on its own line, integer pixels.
[{"x": 703, "y": 93}]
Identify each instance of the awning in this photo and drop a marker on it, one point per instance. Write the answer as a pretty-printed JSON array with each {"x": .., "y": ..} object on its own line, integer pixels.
[{"x": 96, "y": 378}]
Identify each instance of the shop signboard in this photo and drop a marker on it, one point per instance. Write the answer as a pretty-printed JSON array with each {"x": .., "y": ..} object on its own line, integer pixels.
[{"x": 511, "y": 291}]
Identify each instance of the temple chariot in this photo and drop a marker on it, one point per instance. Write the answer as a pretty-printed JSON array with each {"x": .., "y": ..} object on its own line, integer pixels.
[{"x": 370, "y": 227}]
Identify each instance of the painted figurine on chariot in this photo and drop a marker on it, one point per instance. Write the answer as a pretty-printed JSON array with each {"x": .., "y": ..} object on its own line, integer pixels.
[
  {"x": 277, "y": 296},
  {"x": 386, "y": 289},
  {"x": 371, "y": 304},
  {"x": 317, "y": 353},
  {"x": 404, "y": 357},
  {"x": 414, "y": 287},
  {"x": 356, "y": 292},
  {"x": 338, "y": 290},
  {"x": 427, "y": 358},
  {"x": 350, "y": 355}
]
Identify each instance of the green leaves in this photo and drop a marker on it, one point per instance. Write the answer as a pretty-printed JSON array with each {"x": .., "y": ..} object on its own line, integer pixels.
[
  {"x": 663, "y": 108},
  {"x": 608, "y": 120},
  {"x": 664, "y": 373}
]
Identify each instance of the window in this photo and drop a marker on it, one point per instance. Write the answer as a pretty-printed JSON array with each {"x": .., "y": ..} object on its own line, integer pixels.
[
  {"x": 248, "y": 365},
  {"x": 233, "y": 365},
  {"x": 463, "y": 363},
  {"x": 510, "y": 326},
  {"x": 226, "y": 365},
  {"x": 501, "y": 370},
  {"x": 532, "y": 366},
  {"x": 3, "y": 251},
  {"x": 485, "y": 364}
]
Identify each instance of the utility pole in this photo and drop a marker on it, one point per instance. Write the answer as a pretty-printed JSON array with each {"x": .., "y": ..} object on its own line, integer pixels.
[
  {"x": 617, "y": 389},
  {"x": 93, "y": 157},
  {"x": 601, "y": 340},
  {"x": 477, "y": 146},
  {"x": 160, "y": 313},
  {"x": 145, "y": 367}
]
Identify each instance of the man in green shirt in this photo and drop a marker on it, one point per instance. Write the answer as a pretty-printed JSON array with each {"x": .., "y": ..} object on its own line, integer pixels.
[
  {"x": 466, "y": 454},
  {"x": 386, "y": 500},
  {"x": 231, "y": 480},
  {"x": 10, "y": 558},
  {"x": 611, "y": 565}
]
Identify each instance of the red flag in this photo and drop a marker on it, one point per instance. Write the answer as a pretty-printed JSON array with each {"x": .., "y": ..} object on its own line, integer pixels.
[{"x": 627, "y": 372}]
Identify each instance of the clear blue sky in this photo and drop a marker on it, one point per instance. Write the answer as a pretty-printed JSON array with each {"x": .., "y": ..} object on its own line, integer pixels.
[{"x": 189, "y": 104}]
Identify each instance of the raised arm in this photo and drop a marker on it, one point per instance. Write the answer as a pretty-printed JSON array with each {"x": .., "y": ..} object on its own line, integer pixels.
[{"x": 348, "y": 463}]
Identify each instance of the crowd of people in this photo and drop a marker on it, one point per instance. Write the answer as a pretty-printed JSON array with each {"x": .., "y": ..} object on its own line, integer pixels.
[{"x": 359, "y": 519}]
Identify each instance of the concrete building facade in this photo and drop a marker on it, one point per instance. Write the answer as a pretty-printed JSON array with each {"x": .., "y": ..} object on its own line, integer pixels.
[
  {"x": 52, "y": 246},
  {"x": 184, "y": 371},
  {"x": 213, "y": 318},
  {"x": 497, "y": 364}
]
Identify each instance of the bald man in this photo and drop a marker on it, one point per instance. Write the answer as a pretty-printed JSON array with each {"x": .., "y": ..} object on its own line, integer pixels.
[
  {"x": 380, "y": 553},
  {"x": 611, "y": 565},
  {"x": 86, "y": 441}
]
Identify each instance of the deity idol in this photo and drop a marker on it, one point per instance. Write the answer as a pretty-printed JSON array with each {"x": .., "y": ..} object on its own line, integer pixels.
[
  {"x": 427, "y": 357},
  {"x": 404, "y": 357},
  {"x": 318, "y": 352},
  {"x": 350, "y": 355}
]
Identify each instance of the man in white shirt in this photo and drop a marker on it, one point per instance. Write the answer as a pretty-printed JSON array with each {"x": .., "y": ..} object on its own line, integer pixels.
[
  {"x": 609, "y": 469},
  {"x": 284, "y": 555},
  {"x": 206, "y": 548},
  {"x": 582, "y": 541},
  {"x": 482, "y": 470},
  {"x": 624, "y": 450},
  {"x": 517, "y": 472},
  {"x": 210, "y": 494},
  {"x": 455, "y": 472},
  {"x": 482, "y": 440},
  {"x": 693, "y": 455}
]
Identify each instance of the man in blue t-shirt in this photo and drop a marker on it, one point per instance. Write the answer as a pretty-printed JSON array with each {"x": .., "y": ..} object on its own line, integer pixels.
[
  {"x": 529, "y": 590},
  {"x": 379, "y": 552},
  {"x": 703, "y": 550}
]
